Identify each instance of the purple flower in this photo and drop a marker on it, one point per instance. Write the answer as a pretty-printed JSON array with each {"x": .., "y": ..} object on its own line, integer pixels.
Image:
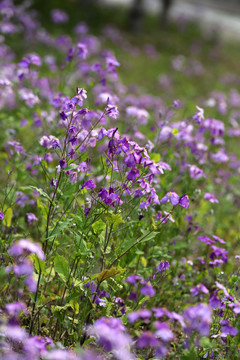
[
  {"x": 195, "y": 172},
  {"x": 110, "y": 334},
  {"x": 140, "y": 314},
  {"x": 111, "y": 63},
  {"x": 130, "y": 161},
  {"x": 198, "y": 318},
  {"x": 199, "y": 115},
  {"x": 163, "y": 266},
  {"x": 147, "y": 290},
  {"x": 219, "y": 252},
  {"x": 177, "y": 104},
  {"x": 31, "y": 218},
  {"x": 53, "y": 183},
  {"x": 206, "y": 239},
  {"x": 184, "y": 201},
  {"x": 219, "y": 157},
  {"x": 172, "y": 196},
  {"x": 1, "y": 216},
  {"x": 133, "y": 173},
  {"x": 132, "y": 279},
  {"x": 199, "y": 288},
  {"x": 163, "y": 331},
  {"x": 147, "y": 338},
  {"x": 59, "y": 16},
  {"x": 210, "y": 197},
  {"x": 89, "y": 184},
  {"x": 25, "y": 246},
  {"x": 228, "y": 330},
  {"x": 14, "y": 309},
  {"x": 82, "y": 51},
  {"x": 63, "y": 163},
  {"x": 112, "y": 111},
  {"x": 86, "y": 211}
]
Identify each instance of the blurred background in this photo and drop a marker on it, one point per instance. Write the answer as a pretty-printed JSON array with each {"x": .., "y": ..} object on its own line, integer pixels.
[{"x": 223, "y": 15}]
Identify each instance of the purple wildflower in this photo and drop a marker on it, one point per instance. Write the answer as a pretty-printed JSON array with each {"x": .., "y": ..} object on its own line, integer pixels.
[
  {"x": 163, "y": 266},
  {"x": 31, "y": 218},
  {"x": 89, "y": 184},
  {"x": 211, "y": 198}
]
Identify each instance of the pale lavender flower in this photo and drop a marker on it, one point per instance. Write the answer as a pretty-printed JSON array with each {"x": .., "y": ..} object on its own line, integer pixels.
[
  {"x": 211, "y": 198},
  {"x": 31, "y": 218},
  {"x": 199, "y": 115},
  {"x": 59, "y": 16},
  {"x": 24, "y": 246}
]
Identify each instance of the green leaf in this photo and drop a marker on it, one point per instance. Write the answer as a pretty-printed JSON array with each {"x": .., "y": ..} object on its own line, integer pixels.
[
  {"x": 155, "y": 157},
  {"x": 98, "y": 226},
  {"x": 148, "y": 237},
  {"x": 61, "y": 267},
  {"x": 8, "y": 217},
  {"x": 175, "y": 131},
  {"x": 39, "y": 264},
  {"x": 107, "y": 273},
  {"x": 41, "y": 192},
  {"x": 114, "y": 220},
  {"x": 60, "y": 227}
]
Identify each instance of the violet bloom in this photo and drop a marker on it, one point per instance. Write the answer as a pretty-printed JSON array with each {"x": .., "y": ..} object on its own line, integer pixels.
[
  {"x": 24, "y": 246},
  {"x": 111, "y": 334},
  {"x": 133, "y": 173},
  {"x": 163, "y": 331},
  {"x": 1, "y": 216},
  {"x": 132, "y": 279},
  {"x": 184, "y": 201},
  {"x": 14, "y": 309},
  {"x": 59, "y": 16},
  {"x": 219, "y": 156},
  {"x": 197, "y": 318},
  {"x": 53, "y": 183},
  {"x": 206, "y": 239},
  {"x": 112, "y": 111},
  {"x": 177, "y": 104},
  {"x": 199, "y": 115},
  {"x": 142, "y": 314},
  {"x": 199, "y": 288},
  {"x": 163, "y": 266},
  {"x": 211, "y": 198},
  {"x": 147, "y": 290},
  {"x": 172, "y": 197},
  {"x": 219, "y": 252},
  {"x": 31, "y": 218},
  {"x": 146, "y": 339},
  {"x": 111, "y": 63},
  {"x": 82, "y": 51},
  {"x": 63, "y": 163},
  {"x": 89, "y": 184},
  {"x": 195, "y": 172}
]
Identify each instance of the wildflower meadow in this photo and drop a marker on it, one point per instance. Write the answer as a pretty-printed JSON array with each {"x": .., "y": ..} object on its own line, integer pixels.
[{"x": 119, "y": 200}]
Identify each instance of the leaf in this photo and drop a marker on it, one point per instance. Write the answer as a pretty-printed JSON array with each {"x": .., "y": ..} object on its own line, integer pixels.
[
  {"x": 8, "y": 217},
  {"x": 155, "y": 157},
  {"x": 98, "y": 226},
  {"x": 148, "y": 237},
  {"x": 59, "y": 228},
  {"x": 107, "y": 273},
  {"x": 143, "y": 261},
  {"x": 41, "y": 192},
  {"x": 114, "y": 220},
  {"x": 175, "y": 131},
  {"x": 61, "y": 267},
  {"x": 39, "y": 264}
]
